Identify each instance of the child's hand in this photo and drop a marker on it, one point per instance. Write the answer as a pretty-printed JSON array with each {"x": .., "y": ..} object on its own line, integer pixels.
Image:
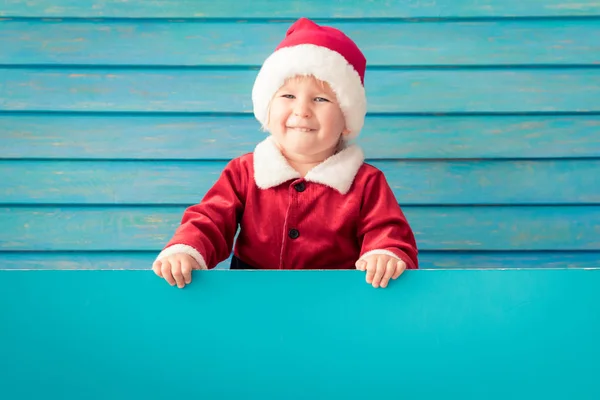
[
  {"x": 380, "y": 268},
  {"x": 176, "y": 269}
]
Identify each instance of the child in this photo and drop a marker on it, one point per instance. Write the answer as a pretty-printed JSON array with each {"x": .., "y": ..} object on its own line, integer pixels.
[{"x": 304, "y": 199}]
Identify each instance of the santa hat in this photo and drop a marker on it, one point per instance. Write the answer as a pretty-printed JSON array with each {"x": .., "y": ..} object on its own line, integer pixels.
[{"x": 327, "y": 54}]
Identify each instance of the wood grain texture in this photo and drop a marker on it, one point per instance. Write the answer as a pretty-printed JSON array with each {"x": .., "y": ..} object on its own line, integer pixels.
[
  {"x": 112, "y": 260},
  {"x": 389, "y": 91},
  {"x": 413, "y": 182},
  {"x": 159, "y": 94},
  {"x": 436, "y": 228},
  {"x": 506, "y": 42},
  {"x": 295, "y": 9},
  {"x": 155, "y": 137},
  {"x": 472, "y": 334}
]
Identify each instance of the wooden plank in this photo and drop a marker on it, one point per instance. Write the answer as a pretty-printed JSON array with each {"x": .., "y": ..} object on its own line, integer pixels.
[
  {"x": 504, "y": 260},
  {"x": 475, "y": 334},
  {"x": 81, "y": 260},
  {"x": 436, "y": 228},
  {"x": 506, "y": 42},
  {"x": 413, "y": 182},
  {"x": 295, "y": 9},
  {"x": 225, "y": 137},
  {"x": 389, "y": 91},
  {"x": 427, "y": 260}
]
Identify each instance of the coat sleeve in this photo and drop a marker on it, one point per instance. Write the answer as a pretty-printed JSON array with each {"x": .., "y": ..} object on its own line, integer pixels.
[
  {"x": 208, "y": 229},
  {"x": 383, "y": 228}
]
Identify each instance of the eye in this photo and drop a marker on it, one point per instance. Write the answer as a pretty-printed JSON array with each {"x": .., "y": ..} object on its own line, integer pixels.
[
  {"x": 288, "y": 96},
  {"x": 321, "y": 99}
]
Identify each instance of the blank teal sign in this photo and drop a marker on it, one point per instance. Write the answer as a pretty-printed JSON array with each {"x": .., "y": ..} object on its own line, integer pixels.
[{"x": 433, "y": 334}]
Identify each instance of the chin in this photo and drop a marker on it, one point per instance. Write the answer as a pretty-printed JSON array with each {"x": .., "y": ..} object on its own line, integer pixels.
[
  {"x": 305, "y": 145},
  {"x": 300, "y": 149}
]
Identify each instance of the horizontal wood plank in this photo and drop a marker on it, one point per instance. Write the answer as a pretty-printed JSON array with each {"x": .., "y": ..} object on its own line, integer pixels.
[
  {"x": 436, "y": 228},
  {"x": 389, "y": 91},
  {"x": 225, "y": 137},
  {"x": 507, "y": 42},
  {"x": 413, "y": 182},
  {"x": 307, "y": 8},
  {"x": 427, "y": 260}
]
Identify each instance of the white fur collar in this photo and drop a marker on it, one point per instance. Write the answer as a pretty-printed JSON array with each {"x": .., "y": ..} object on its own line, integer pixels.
[{"x": 338, "y": 171}]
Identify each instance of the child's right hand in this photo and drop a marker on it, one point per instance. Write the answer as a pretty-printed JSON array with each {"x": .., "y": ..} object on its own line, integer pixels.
[{"x": 176, "y": 269}]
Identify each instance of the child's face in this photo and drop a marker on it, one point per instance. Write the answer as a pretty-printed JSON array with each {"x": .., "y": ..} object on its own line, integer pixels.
[{"x": 305, "y": 118}]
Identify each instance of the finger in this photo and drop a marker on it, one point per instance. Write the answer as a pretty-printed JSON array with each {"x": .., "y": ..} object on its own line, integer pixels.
[
  {"x": 166, "y": 272},
  {"x": 381, "y": 263},
  {"x": 371, "y": 267},
  {"x": 390, "y": 269},
  {"x": 156, "y": 268},
  {"x": 400, "y": 268},
  {"x": 186, "y": 271},
  {"x": 361, "y": 265},
  {"x": 195, "y": 265},
  {"x": 177, "y": 275}
]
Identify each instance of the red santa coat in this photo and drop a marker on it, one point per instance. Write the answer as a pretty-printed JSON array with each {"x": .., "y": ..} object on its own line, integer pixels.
[{"x": 342, "y": 210}]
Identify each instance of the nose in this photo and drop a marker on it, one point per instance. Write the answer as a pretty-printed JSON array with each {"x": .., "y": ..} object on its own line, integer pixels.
[{"x": 301, "y": 109}]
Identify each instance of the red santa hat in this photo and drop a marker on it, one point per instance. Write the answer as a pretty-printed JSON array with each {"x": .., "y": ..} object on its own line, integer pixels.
[{"x": 327, "y": 54}]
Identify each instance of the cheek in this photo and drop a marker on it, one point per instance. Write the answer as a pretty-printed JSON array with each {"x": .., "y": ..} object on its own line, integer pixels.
[
  {"x": 276, "y": 115},
  {"x": 337, "y": 122},
  {"x": 342, "y": 122}
]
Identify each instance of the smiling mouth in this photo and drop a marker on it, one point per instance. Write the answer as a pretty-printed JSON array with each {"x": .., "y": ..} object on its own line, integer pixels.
[{"x": 301, "y": 129}]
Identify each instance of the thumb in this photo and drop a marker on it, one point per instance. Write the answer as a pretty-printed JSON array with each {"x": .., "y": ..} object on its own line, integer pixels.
[
  {"x": 195, "y": 264},
  {"x": 361, "y": 265},
  {"x": 156, "y": 268}
]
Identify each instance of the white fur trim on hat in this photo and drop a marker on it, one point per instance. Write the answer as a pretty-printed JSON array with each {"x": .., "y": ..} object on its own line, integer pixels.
[{"x": 325, "y": 65}]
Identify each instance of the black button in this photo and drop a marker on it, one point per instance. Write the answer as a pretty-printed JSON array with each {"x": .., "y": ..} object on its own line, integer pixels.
[
  {"x": 293, "y": 233},
  {"x": 300, "y": 187}
]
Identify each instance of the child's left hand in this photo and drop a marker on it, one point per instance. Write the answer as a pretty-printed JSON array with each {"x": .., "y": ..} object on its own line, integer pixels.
[{"x": 380, "y": 268}]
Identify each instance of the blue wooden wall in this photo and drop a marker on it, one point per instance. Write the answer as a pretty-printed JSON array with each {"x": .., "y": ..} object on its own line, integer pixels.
[{"x": 114, "y": 116}]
